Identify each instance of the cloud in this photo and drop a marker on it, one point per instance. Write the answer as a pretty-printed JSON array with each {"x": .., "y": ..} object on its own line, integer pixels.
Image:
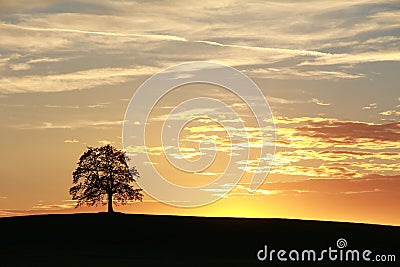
[
  {"x": 79, "y": 80},
  {"x": 320, "y": 171},
  {"x": 29, "y": 43},
  {"x": 69, "y": 205},
  {"x": 46, "y": 60},
  {"x": 20, "y": 66},
  {"x": 99, "y": 105},
  {"x": 270, "y": 49},
  {"x": 362, "y": 192},
  {"x": 72, "y": 125},
  {"x": 277, "y": 100},
  {"x": 319, "y": 103},
  {"x": 373, "y": 166},
  {"x": 71, "y": 141},
  {"x": 369, "y": 183},
  {"x": 25, "y": 4},
  {"x": 114, "y": 34},
  {"x": 5, "y": 59},
  {"x": 296, "y": 120},
  {"x": 323, "y": 147},
  {"x": 104, "y": 142},
  {"x": 62, "y": 106},
  {"x": 354, "y": 58},
  {"x": 284, "y": 73},
  {"x": 354, "y": 163},
  {"x": 350, "y": 131},
  {"x": 334, "y": 155},
  {"x": 370, "y": 106},
  {"x": 183, "y": 115},
  {"x": 28, "y": 64},
  {"x": 390, "y": 112},
  {"x": 293, "y": 46}
]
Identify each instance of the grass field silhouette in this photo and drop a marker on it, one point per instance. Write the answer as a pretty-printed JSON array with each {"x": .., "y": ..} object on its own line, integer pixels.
[{"x": 101, "y": 239}]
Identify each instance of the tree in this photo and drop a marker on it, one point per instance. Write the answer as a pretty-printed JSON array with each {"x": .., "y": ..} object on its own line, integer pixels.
[{"x": 103, "y": 176}]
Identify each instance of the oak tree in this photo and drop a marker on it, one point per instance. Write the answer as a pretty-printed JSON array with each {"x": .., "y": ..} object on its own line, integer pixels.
[{"x": 103, "y": 176}]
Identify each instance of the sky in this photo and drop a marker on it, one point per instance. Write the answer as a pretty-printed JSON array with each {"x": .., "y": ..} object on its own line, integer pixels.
[{"x": 329, "y": 70}]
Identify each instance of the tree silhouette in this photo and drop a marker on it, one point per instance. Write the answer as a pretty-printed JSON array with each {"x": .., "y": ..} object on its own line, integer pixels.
[{"x": 103, "y": 176}]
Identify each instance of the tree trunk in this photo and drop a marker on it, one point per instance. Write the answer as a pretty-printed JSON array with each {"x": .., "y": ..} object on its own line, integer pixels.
[{"x": 110, "y": 204}]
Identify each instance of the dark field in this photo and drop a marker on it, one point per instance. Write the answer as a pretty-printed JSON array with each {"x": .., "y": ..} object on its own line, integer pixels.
[{"x": 152, "y": 240}]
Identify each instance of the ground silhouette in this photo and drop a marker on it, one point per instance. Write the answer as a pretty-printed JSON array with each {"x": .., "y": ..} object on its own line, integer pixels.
[{"x": 104, "y": 239}]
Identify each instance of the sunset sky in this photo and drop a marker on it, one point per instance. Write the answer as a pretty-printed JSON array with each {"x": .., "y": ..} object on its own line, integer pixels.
[{"x": 329, "y": 70}]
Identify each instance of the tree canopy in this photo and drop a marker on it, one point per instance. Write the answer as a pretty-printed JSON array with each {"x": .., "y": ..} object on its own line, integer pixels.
[{"x": 103, "y": 176}]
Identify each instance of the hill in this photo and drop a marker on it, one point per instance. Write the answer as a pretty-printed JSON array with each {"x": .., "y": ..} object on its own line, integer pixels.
[{"x": 155, "y": 240}]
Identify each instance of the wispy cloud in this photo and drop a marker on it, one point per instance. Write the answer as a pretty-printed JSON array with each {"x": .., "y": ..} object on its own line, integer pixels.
[
  {"x": 68, "y": 204},
  {"x": 319, "y": 102},
  {"x": 321, "y": 147},
  {"x": 62, "y": 30},
  {"x": 28, "y": 64},
  {"x": 390, "y": 112},
  {"x": 370, "y": 106},
  {"x": 278, "y": 100},
  {"x": 62, "y": 106},
  {"x": 291, "y": 73},
  {"x": 71, "y": 81},
  {"x": 369, "y": 183},
  {"x": 71, "y": 125},
  {"x": 105, "y": 142},
  {"x": 349, "y": 132},
  {"x": 354, "y": 58},
  {"x": 297, "y": 45},
  {"x": 271, "y": 49},
  {"x": 71, "y": 141}
]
